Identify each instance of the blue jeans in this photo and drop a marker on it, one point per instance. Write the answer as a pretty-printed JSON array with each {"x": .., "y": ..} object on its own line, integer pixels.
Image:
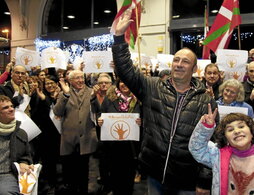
[
  {"x": 156, "y": 188},
  {"x": 9, "y": 185}
]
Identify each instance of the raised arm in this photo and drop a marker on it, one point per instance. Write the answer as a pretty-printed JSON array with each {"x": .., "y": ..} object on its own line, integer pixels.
[
  {"x": 123, "y": 23},
  {"x": 201, "y": 149}
]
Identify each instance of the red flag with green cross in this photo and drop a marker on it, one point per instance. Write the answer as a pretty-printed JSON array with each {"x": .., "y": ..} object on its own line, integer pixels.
[
  {"x": 221, "y": 31},
  {"x": 131, "y": 33}
]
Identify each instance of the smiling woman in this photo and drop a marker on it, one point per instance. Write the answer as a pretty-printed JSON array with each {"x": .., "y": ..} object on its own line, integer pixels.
[{"x": 232, "y": 94}]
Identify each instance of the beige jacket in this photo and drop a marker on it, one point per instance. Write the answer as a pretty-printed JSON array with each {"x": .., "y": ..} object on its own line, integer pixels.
[{"x": 77, "y": 126}]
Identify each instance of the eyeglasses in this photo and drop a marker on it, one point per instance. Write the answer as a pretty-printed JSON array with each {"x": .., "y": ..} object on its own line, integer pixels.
[
  {"x": 104, "y": 83},
  {"x": 19, "y": 73}
]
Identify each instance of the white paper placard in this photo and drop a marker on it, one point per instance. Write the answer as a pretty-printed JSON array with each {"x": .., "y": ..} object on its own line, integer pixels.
[
  {"x": 232, "y": 62},
  {"x": 27, "y": 124},
  {"x": 120, "y": 127},
  {"x": 224, "y": 110},
  {"x": 165, "y": 61},
  {"x": 53, "y": 57},
  {"x": 201, "y": 67},
  {"x": 27, "y": 58},
  {"x": 135, "y": 58},
  {"x": 77, "y": 61},
  {"x": 97, "y": 61},
  {"x": 56, "y": 120},
  {"x": 146, "y": 62}
]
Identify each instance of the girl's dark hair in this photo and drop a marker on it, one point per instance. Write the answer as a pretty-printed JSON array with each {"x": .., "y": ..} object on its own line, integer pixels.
[
  {"x": 52, "y": 77},
  {"x": 219, "y": 134}
]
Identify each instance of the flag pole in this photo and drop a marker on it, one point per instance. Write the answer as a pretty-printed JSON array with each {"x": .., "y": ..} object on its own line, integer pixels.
[
  {"x": 138, "y": 37},
  {"x": 239, "y": 37}
]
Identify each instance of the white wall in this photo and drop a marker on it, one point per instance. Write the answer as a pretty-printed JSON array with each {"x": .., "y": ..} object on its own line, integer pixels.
[{"x": 24, "y": 36}]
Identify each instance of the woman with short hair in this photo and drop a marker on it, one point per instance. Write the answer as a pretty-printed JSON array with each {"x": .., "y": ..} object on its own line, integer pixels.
[{"x": 232, "y": 94}]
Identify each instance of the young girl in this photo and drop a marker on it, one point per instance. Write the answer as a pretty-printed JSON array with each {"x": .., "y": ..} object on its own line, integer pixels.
[{"x": 232, "y": 158}]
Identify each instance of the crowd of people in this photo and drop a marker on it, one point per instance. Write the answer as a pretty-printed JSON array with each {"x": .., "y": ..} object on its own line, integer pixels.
[{"x": 178, "y": 116}]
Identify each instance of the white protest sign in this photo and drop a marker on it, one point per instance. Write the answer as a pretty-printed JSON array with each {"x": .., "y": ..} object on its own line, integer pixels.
[
  {"x": 27, "y": 58},
  {"x": 165, "y": 61},
  {"x": 27, "y": 124},
  {"x": 28, "y": 183},
  {"x": 120, "y": 127},
  {"x": 224, "y": 110},
  {"x": 201, "y": 67},
  {"x": 135, "y": 58},
  {"x": 53, "y": 57},
  {"x": 56, "y": 120},
  {"x": 146, "y": 62},
  {"x": 97, "y": 61},
  {"x": 155, "y": 64},
  {"x": 77, "y": 61},
  {"x": 233, "y": 63}
]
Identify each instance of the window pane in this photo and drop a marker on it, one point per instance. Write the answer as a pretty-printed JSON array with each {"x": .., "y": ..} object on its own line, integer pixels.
[
  {"x": 188, "y": 8},
  {"x": 54, "y": 19},
  {"x": 104, "y": 19},
  {"x": 81, "y": 10},
  {"x": 61, "y": 9}
]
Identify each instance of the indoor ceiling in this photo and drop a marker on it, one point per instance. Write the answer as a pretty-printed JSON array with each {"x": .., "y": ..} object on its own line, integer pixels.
[{"x": 5, "y": 21}]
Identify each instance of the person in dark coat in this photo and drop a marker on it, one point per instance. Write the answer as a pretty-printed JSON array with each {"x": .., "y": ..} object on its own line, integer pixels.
[
  {"x": 212, "y": 80},
  {"x": 16, "y": 84},
  {"x": 47, "y": 144},
  {"x": 100, "y": 89},
  {"x": 14, "y": 147},
  {"x": 171, "y": 110},
  {"x": 120, "y": 156},
  {"x": 249, "y": 85}
]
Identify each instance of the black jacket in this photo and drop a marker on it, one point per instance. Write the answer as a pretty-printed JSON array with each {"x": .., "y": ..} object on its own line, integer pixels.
[
  {"x": 8, "y": 90},
  {"x": 215, "y": 88},
  {"x": 161, "y": 158},
  {"x": 248, "y": 87}
]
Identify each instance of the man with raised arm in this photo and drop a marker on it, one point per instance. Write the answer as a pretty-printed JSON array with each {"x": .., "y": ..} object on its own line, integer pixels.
[{"x": 171, "y": 108}]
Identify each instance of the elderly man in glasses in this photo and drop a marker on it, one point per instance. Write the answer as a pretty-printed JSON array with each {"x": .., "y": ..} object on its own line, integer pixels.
[
  {"x": 16, "y": 84},
  {"x": 78, "y": 138}
]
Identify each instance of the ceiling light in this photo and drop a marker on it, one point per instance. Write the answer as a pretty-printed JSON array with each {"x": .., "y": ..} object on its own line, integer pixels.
[
  {"x": 7, "y": 13},
  {"x": 107, "y": 11},
  {"x": 176, "y": 16},
  {"x": 214, "y": 11},
  {"x": 70, "y": 16},
  {"x": 95, "y": 22},
  {"x": 5, "y": 31},
  {"x": 65, "y": 27}
]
